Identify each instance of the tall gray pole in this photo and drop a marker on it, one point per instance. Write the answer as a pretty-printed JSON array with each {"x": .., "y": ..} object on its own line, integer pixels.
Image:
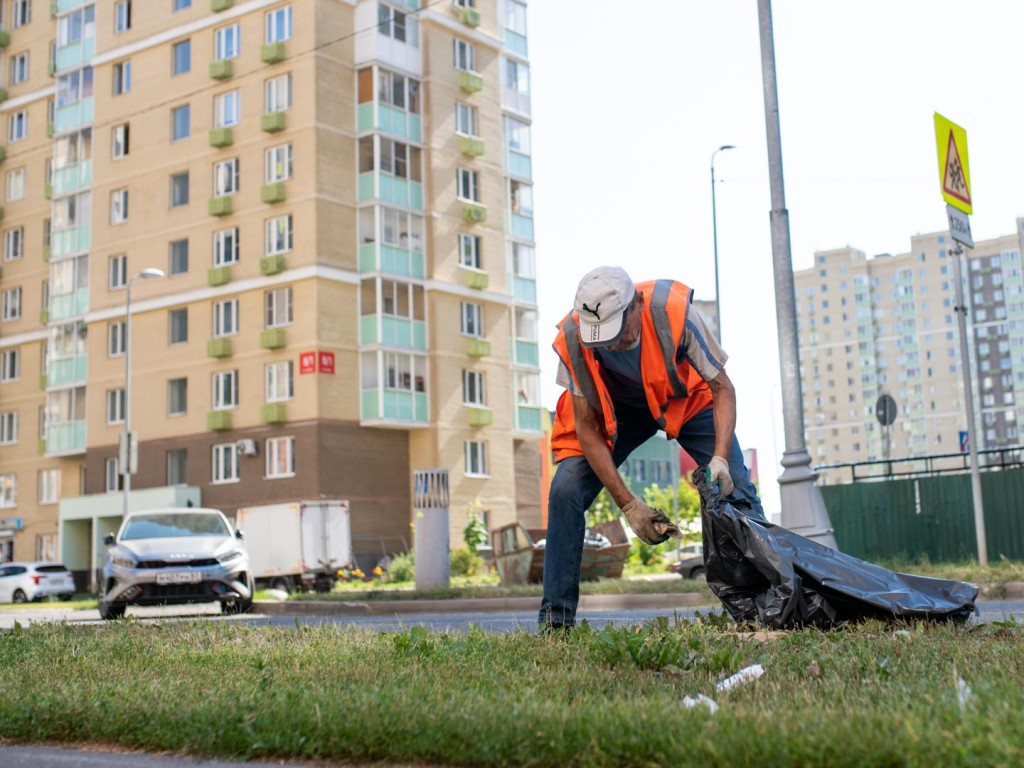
[
  {"x": 714, "y": 232},
  {"x": 803, "y": 508}
]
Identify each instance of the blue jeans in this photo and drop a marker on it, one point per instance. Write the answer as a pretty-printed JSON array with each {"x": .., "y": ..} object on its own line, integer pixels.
[{"x": 575, "y": 486}]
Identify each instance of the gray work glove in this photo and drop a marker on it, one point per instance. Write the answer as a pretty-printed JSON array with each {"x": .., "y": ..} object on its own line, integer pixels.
[
  {"x": 649, "y": 524},
  {"x": 718, "y": 469}
]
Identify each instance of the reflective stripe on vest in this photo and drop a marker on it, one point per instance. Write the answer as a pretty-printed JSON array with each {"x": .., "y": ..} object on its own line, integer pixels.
[
  {"x": 659, "y": 313},
  {"x": 579, "y": 365}
]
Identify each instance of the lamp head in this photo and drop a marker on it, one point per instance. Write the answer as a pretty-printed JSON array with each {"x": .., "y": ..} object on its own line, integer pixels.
[
  {"x": 726, "y": 146},
  {"x": 151, "y": 272}
]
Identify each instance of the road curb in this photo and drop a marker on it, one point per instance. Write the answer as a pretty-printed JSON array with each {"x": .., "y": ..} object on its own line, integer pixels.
[
  {"x": 474, "y": 605},
  {"x": 1014, "y": 590}
]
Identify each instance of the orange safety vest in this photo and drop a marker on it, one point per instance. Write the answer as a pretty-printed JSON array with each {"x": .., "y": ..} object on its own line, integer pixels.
[{"x": 675, "y": 391}]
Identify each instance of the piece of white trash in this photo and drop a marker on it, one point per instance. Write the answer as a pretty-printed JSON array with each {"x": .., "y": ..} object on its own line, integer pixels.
[
  {"x": 745, "y": 675},
  {"x": 963, "y": 693},
  {"x": 710, "y": 703}
]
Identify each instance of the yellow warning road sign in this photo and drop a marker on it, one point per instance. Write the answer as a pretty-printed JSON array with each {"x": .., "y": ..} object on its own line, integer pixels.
[{"x": 954, "y": 167}]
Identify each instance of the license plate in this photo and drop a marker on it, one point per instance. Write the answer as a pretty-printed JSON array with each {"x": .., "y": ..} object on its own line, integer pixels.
[{"x": 179, "y": 577}]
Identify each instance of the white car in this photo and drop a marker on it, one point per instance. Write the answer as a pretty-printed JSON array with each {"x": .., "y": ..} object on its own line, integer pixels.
[{"x": 28, "y": 582}]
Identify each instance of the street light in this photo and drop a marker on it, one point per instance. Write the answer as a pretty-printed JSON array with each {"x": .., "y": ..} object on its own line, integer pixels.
[
  {"x": 714, "y": 228},
  {"x": 125, "y": 453}
]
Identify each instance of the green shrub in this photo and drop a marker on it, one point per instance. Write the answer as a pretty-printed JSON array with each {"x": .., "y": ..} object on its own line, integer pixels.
[
  {"x": 402, "y": 568},
  {"x": 465, "y": 563}
]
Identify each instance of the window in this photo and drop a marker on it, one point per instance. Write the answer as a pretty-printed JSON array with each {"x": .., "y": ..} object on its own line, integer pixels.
[
  {"x": 74, "y": 86},
  {"x": 8, "y": 490},
  {"x": 181, "y": 57},
  {"x": 75, "y": 26},
  {"x": 471, "y": 320},
  {"x": 279, "y": 383},
  {"x": 278, "y": 235},
  {"x": 521, "y": 196},
  {"x": 179, "y": 189},
  {"x": 114, "y": 480},
  {"x": 473, "y": 388},
  {"x": 517, "y": 76},
  {"x": 177, "y": 326},
  {"x": 19, "y": 68},
  {"x": 524, "y": 261},
  {"x": 178, "y": 257},
  {"x": 225, "y": 463},
  {"x": 515, "y": 16},
  {"x": 119, "y": 141},
  {"x": 227, "y": 109},
  {"x": 15, "y": 184},
  {"x": 177, "y": 397},
  {"x": 176, "y": 463},
  {"x": 465, "y": 119},
  {"x": 464, "y": 3},
  {"x": 517, "y": 134},
  {"x": 122, "y": 15},
  {"x": 21, "y": 12},
  {"x": 398, "y": 228},
  {"x": 122, "y": 78},
  {"x": 279, "y": 93},
  {"x": 181, "y": 122},
  {"x": 225, "y": 177},
  {"x": 119, "y": 206},
  {"x": 227, "y": 42},
  {"x": 225, "y": 390},
  {"x": 475, "y": 457},
  {"x": 14, "y": 243},
  {"x": 10, "y": 304},
  {"x": 278, "y": 164},
  {"x": 10, "y": 365},
  {"x": 527, "y": 388},
  {"x": 225, "y": 318},
  {"x": 280, "y": 457},
  {"x": 468, "y": 185},
  {"x": 8, "y": 427},
  {"x": 115, "y": 406},
  {"x": 469, "y": 251},
  {"x": 395, "y": 158},
  {"x": 397, "y": 25},
  {"x": 117, "y": 271},
  {"x": 115, "y": 339},
  {"x": 279, "y": 25},
  {"x": 395, "y": 90},
  {"x": 225, "y": 247},
  {"x": 181, "y": 5},
  {"x": 464, "y": 55},
  {"x": 278, "y": 305}
]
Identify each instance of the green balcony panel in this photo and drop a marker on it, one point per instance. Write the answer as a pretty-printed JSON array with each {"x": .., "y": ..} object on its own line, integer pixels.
[
  {"x": 46, "y": 252},
  {"x": 272, "y": 338},
  {"x": 272, "y": 122},
  {"x": 221, "y": 69},
  {"x": 271, "y": 53},
  {"x": 44, "y": 381},
  {"x": 219, "y": 206},
  {"x": 218, "y": 276},
  {"x": 474, "y": 214},
  {"x": 53, "y": 9},
  {"x": 42, "y": 446},
  {"x": 219, "y": 347},
  {"x": 475, "y": 278},
  {"x": 3, "y": 153},
  {"x": 1, "y": 213},
  {"x": 470, "y": 82},
  {"x": 218, "y": 421},
  {"x": 273, "y": 413},
  {"x": 272, "y": 193},
  {"x": 44, "y": 316},
  {"x": 480, "y": 417},
  {"x": 49, "y": 129},
  {"x": 271, "y": 265},
  {"x": 470, "y": 17},
  {"x": 478, "y": 348},
  {"x": 5, "y": 38},
  {"x": 472, "y": 146},
  {"x": 220, "y": 5},
  {"x": 47, "y": 190},
  {"x": 51, "y": 68},
  {"x": 221, "y": 137}
]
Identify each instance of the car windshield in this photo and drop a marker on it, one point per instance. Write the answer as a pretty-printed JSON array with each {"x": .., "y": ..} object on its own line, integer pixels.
[{"x": 169, "y": 525}]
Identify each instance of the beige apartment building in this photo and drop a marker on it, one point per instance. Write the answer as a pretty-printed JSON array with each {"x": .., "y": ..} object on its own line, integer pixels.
[
  {"x": 339, "y": 195},
  {"x": 887, "y": 325}
]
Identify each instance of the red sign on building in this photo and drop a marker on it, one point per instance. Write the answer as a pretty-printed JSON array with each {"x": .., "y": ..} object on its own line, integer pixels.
[
  {"x": 326, "y": 362},
  {"x": 307, "y": 362}
]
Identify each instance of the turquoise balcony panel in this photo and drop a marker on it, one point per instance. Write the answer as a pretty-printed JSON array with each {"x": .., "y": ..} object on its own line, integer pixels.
[
  {"x": 367, "y": 258},
  {"x": 522, "y": 226},
  {"x": 401, "y": 333},
  {"x": 364, "y": 117},
  {"x": 73, "y": 116},
  {"x": 76, "y": 54},
  {"x": 72, "y": 178},
  {"x": 527, "y": 353},
  {"x": 520, "y": 165},
  {"x": 67, "y": 5},
  {"x": 405, "y": 406},
  {"x": 65, "y": 306},
  {"x": 68, "y": 437},
  {"x": 65, "y": 242},
  {"x": 515, "y": 42},
  {"x": 369, "y": 404},
  {"x": 367, "y": 188},
  {"x": 67, "y": 370},
  {"x": 419, "y": 265},
  {"x": 368, "y": 329},
  {"x": 527, "y": 419},
  {"x": 398, "y": 122},
  {"x": 525, "y": 290}
]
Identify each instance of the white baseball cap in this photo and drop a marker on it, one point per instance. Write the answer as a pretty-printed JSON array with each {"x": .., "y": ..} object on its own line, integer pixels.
[{"x": 602, "y": 298}]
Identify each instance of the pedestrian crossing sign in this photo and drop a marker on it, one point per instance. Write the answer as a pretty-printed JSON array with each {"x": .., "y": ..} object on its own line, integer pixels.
[{"x": 954, "y": 166}]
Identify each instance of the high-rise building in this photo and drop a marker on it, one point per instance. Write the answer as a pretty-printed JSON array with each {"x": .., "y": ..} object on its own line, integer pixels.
[
  {"x": 340, "y": 195},
  {"x": 887, "y": 325}
]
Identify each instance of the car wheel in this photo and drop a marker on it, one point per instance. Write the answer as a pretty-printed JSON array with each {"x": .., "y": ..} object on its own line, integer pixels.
[
  {"x": 698, "y": 573},
  {"x": 285, "y": 585},
  {"x": 65, "y": 598},
  {"x": 19, "y": 596},
  {"x": 109, "y": 611}
]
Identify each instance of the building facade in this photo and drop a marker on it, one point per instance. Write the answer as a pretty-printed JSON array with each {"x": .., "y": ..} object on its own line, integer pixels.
[
  {"x": 887, "y": 325},
  {"x": 339, "y": 193}
]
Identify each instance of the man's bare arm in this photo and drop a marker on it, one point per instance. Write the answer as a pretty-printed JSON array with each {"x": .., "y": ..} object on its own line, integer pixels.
[
  {"x": 588, "y": 432},
  {"x": 724, "y": 411}
]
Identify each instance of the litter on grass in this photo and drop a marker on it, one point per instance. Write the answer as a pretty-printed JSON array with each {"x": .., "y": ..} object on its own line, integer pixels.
[
  {"x": 963, "y": 693},
  {"x": 698, "y": 700},
  {"x": 745, "y": 675}
]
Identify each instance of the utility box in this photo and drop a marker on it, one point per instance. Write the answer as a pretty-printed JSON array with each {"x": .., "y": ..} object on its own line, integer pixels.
[{"x": 430, "y": 528}]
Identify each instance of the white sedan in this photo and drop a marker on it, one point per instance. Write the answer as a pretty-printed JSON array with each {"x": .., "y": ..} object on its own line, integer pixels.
[{"x": 28, "y": 582}]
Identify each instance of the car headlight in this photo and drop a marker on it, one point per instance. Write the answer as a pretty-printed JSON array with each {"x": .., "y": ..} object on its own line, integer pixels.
[
  {"x": 123, "y": 562},
  {"x": 230, "y": 556}
]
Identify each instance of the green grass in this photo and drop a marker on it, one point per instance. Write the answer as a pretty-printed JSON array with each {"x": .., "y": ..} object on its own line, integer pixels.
[{"x": 871, "y": 695}]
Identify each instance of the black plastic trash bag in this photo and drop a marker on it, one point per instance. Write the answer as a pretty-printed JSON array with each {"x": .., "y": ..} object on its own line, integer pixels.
[{"x": 767, "y": 574}]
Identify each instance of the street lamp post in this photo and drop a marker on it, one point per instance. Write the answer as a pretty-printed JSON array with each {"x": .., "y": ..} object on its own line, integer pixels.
[
  {"x": 125, "y": 453},
  {"x": 714, "y": 230}
]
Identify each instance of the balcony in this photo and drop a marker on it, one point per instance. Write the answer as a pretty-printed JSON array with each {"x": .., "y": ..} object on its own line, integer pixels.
[
  {"x": 473, "y": 213},
  {"x": 390, "y": 260},
  {"x": 72, "y": 116},
  {"x": 272, "y": 193},
  {"x": 220, "y": 137},
  {"x": 522, "y": 226},
  {"x": 67, "y": 438},
  {"x": 481, "y": 417},
  {"x": 272, "y": 338},
  {"x": 395, "y": 122},
  {"x": 394, "y": 332},
  {"x": 470, "y": 82},
  {"x": 475, "y": 278},
  {"x": 219, "y": 347},
  {"x": 528, "y": 419},
  {"x": 220, "y": 5},
  {"x": 478, "y": 347},
  {"x": 221, "y": 69},
  {"x": 397, "y": 407},
  {"x": 272, "y": 53},
  {"x": 472, "y": 146},
  {"x": 525, "y": 289},
  {"x": 66, "y": 371},
  {"x": 470, "y": 17},
  {"x": 219, "y": 206},
  {"x": 72, "y": 178},
  {"x": 75, "y": 55},
  {"x": 390, "y": 189},
  {"x": 527, "y": 353},
  {"x": 218, "y": 421},
  {"x": 515, "y": 43},
  {"x": 519, "y": 165},
  {"x": 272, "y": 122},
  {"x": 218, "y": 276},
  {"x": 273, "y": 413},
  {"x": 271, "y": 265},
  {"x": 65, "y": 306},
  {"x": 5, "y": 38}
]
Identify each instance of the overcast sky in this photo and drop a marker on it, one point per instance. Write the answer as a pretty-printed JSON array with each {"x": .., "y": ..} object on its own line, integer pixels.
[{"x": 630, "y": 101}]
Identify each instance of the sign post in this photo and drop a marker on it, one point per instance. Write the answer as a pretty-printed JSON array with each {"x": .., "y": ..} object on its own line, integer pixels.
[{"x": 955, "y": 184}]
